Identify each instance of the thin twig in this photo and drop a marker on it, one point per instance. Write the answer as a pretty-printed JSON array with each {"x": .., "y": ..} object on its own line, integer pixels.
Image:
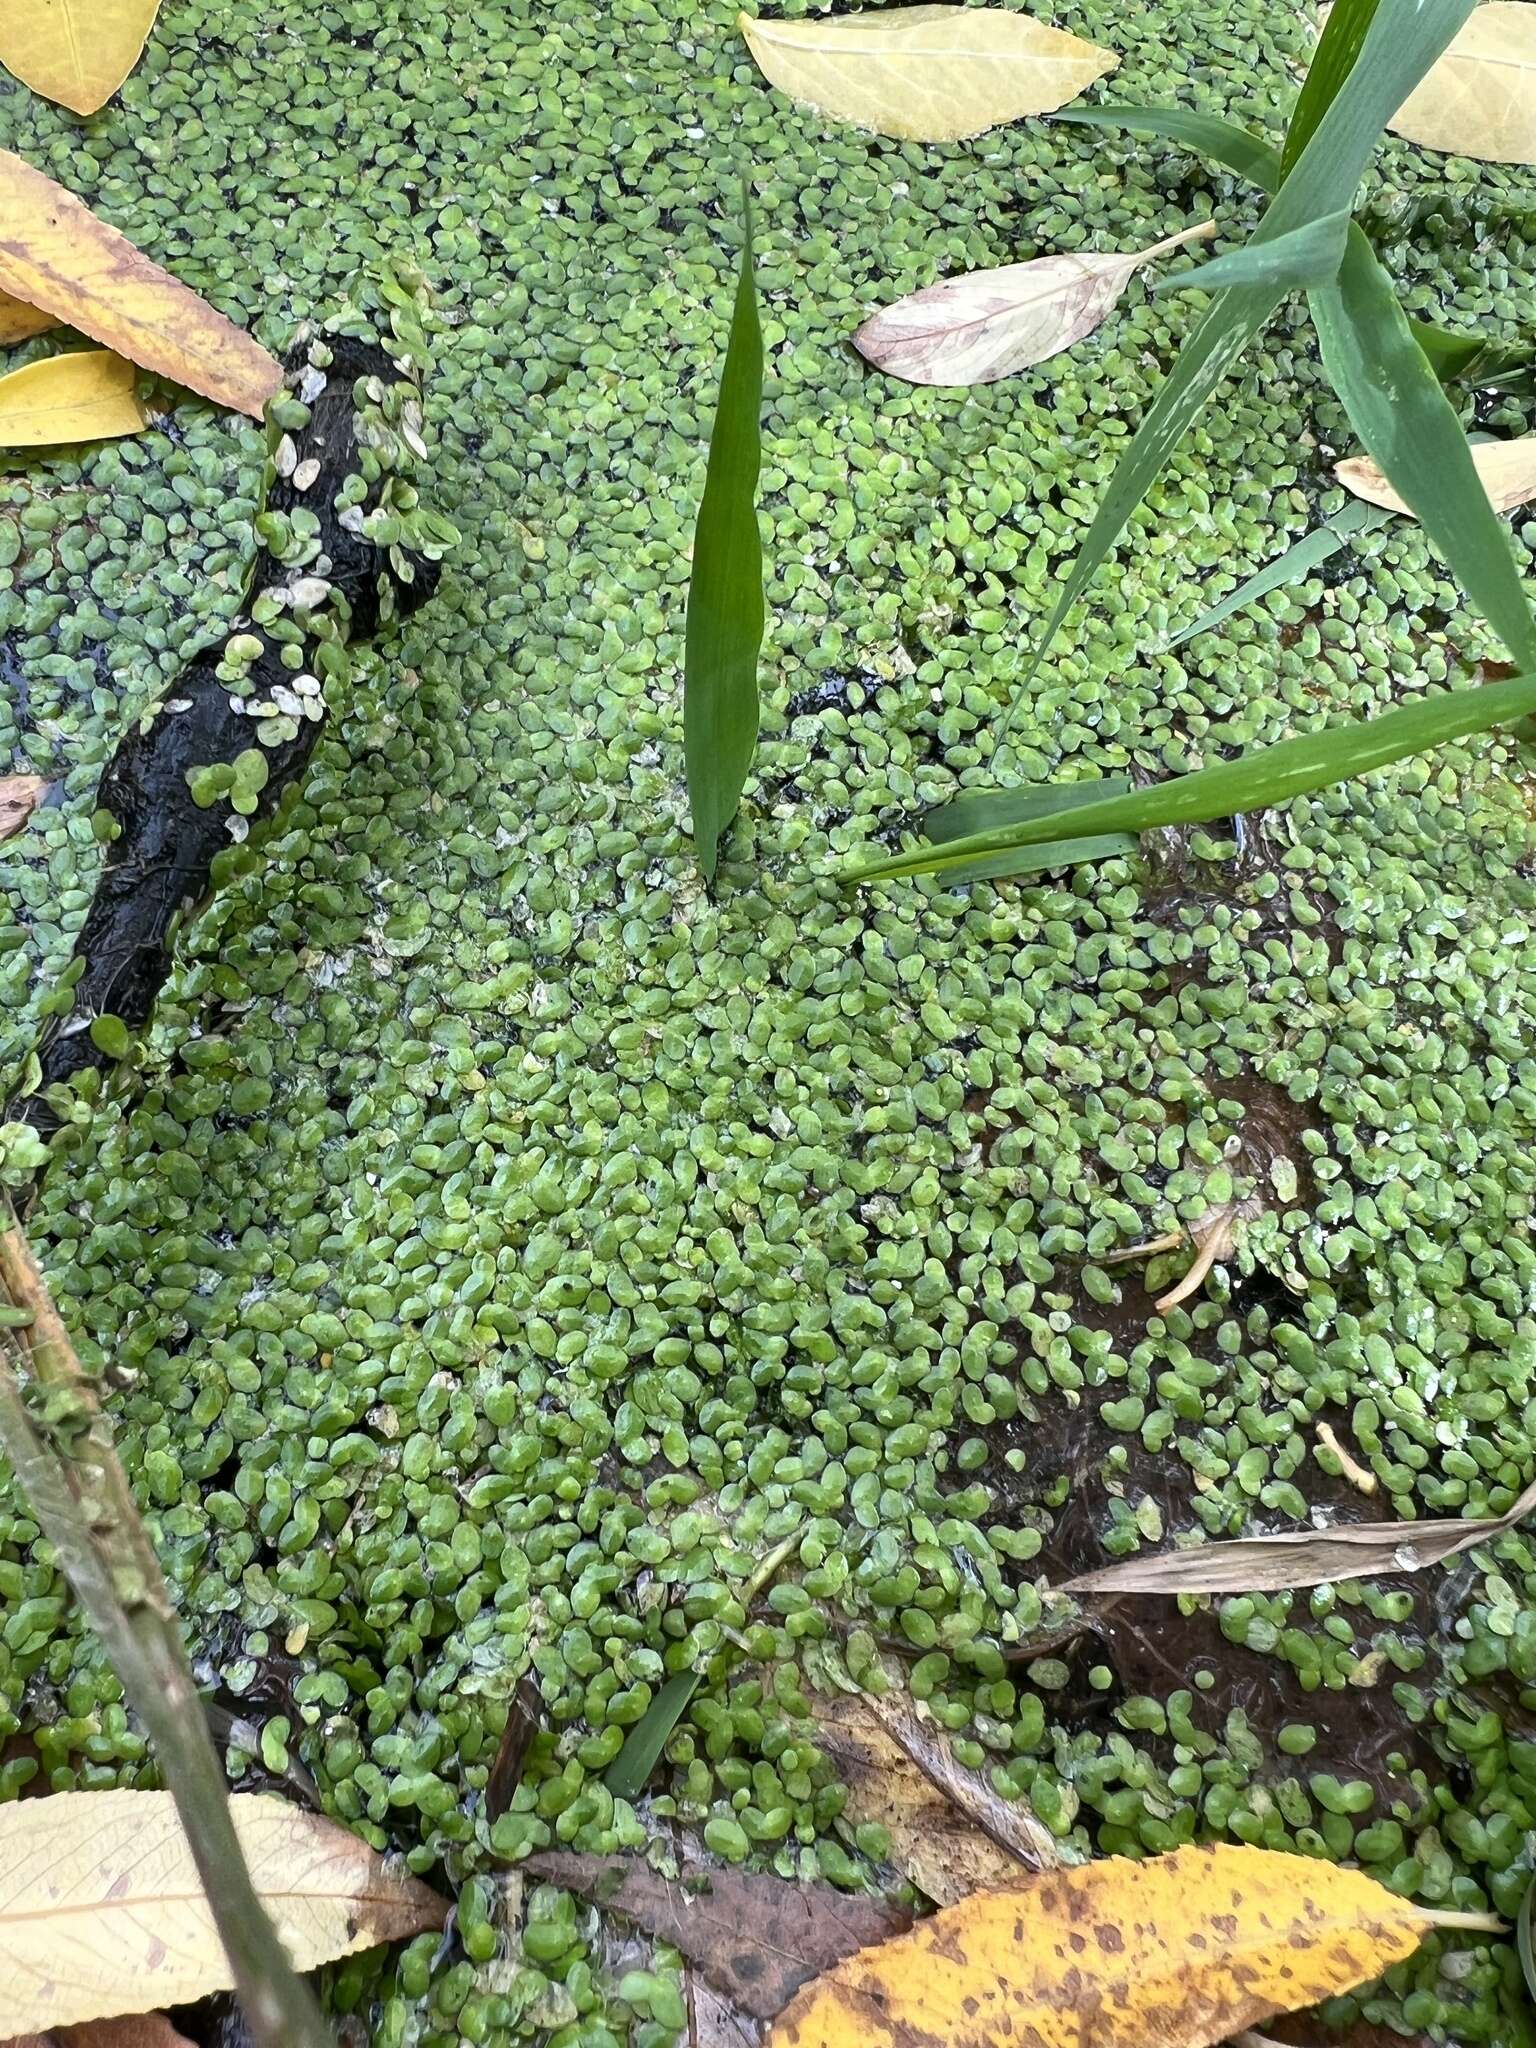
[
  {"x": 1357, "y": 1475},
  {"x": 61, "y": 1451}
]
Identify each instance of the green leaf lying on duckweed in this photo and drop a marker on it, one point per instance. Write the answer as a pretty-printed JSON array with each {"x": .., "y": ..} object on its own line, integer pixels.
[
  {"x": 1297, "y": 562},
  {"x": 1523, "y": 1940},
  {"x": 1270, "y": 775},
  {"x": 627, "y": 1775},
  {"x": 725, "y": 591}
]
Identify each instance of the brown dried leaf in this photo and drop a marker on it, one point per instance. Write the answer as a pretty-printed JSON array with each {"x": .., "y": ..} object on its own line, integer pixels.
[
  {"x": 525, "y": 1717},
  {"x": 1304, "y": 1557},
  {"x": 101, "y": 1904},
  {"x": 950, "y": 1833},
  {"x": 990, "y": 323},
  {"x": 1507, "y": 470},
  {"x": 134, "y": 2030},
  {"x": 754, "y": 1937},
  {"x": 20, "y": 796},
  {"x": 56, "y": 255}
]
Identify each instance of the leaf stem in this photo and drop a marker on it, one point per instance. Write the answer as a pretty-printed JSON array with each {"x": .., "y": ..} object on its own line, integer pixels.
[
  {"x": 1483, "y": 1923},
  {"x": 1202, "y": 231},
  {"x": 68, "y": 1468}
]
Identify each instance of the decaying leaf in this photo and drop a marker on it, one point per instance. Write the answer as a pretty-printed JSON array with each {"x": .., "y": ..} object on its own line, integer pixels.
[
  {"x": 1507, "y": 468},
  {"x": 55, "y": 254},
  {"x": 19, "y": 321},
  {"x": 927, "y": 74},
  {"x": 1302, "y": 1557},
  {"x": 98, "y": 1892},
  {"x": 525, "y": 1717},
  {"x": 132, "y": 2030},
  {"x": 755, "y": 1937},
  {"x": 77, "y": 52},
  {"x": 88, "y": 396},
  {"x": 989, "y": 323},
  {"x": 1480, "y": 99},
  {"x": 950, "y": 1833},
  {"x": 1185, "y": 1949},
  {"x": 19, "y": 798}
]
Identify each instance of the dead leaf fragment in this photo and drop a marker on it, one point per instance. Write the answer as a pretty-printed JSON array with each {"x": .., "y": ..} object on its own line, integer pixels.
[
  {"x": 1479, "y": 100},
  {"x": 98, "y": 1892},
  {"x": 950, "y": 1833},
  {"x": 19, "y": 798},
  {"x": 990, "y": 323},
  {"x": 55, "y": 254},
  {"x": 88, "y": 396},
  {"x": 19, "y": 321},
  {"x": 77, "y": 52},
  {"x": 134, "y": 2030},
  {"x": 1303, "y": 1557},
  {"x": 1507, "y": 470},
  {"x": 754, "y": 1937},
  {"x": 1188, "y": 1948},
  {"x": 926, "y": 74}
]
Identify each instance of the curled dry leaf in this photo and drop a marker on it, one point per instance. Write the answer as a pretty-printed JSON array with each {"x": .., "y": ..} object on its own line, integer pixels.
[
  {"x": 1186, "y": 1949},
  {"x": 1302, "y": 1557},
  {"x": 926, "y": 74},
  {"x": 755, "y": 1937},
  {"x": 98, "y": 1892},
  {"x": 88, "y": 396},
  {"x": 20, "y": 796},
  {"x": 1507, "y": 470},
  {"x": 56, "y": 255},
  {"x": 77, "y": 52},
  {"x": 950, "y": 1833},
  {"x": 19, "y": 321},
  {"x": 1480, "y": 99},
  {"x": 132, "y": 2030},
  {"x": 989, "y": 323}
]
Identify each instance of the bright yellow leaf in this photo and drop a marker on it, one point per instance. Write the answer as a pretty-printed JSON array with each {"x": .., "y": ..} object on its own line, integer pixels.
[
  {"x": 19, "y": 321},
  {"x": 85, "y": 397},
  {"x": 55, "y": 254},
  {"x": 77, "y": 52},
  {"x": 1183, "y": 1950}
]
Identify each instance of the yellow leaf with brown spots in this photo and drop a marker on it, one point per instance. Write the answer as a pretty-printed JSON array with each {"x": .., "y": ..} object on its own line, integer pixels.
[
  {"x": 77, "y": 52},
  {"x": 85, "y": 396},
  {"x": 1183, "y": 1950},
  {"x": 56, "y": 255}
]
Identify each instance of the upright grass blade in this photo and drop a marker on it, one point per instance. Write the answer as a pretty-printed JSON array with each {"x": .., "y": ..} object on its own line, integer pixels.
[
  {"x": 1452, "y": 357},
  {"x": 1291, "y": 567},
  {"x": 1339, "y": 47},
  {"x": 1271, "y": 775},
  {"x": 1403, "y": 42},
  {"x": 725, "y": 591},
  {"x": 1397, "y": 407},
  {"x": 1308, "y": 255}
]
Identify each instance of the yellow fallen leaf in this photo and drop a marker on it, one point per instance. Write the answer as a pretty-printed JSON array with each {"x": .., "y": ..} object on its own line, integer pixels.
[
  {"x": 77, "y": 52},
  {"x": 1479, "y": 100},
  {"x": 55, "y": 254},
  {"x": 1184, "y": 1950},
  {"x": 83, "y": 397},
  {"x": 19, "y": 321},
  {"x": 927, "y": 74},
  {"x": 1507, "y": 469},
  {"x": 100, "y": 1904}
]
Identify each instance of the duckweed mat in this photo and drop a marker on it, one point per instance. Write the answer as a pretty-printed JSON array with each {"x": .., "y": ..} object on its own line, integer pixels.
[{"x": 502, "y": 1246}]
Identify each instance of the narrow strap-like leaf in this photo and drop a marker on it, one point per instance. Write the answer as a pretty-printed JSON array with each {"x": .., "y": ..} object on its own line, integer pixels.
[
  {"x": 983, "y": 810},
  {"x": 1410, "y": 428},
  {"x": 1270, "y": 775},
  {"x": 1309, "y": 255},
  {"x": 1335, "y": 57},
  {"x": 725, "y": 592},
  {"x": 1297, "y": 562}
]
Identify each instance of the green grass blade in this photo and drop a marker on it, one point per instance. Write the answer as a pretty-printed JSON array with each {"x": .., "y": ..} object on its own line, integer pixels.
[
  {"x": 1291, "y": 567},
  {"x": 985, "y": 809},
  {"x": 1410, "y": 429},
  {"x": 1205, "y": 134},
  {"x": 630, "y": 1771},
  {"x": 1309, "y": 255},
  {"x": 1338, "y": 48},
  {"x": 1017, "y": 861},
  {"x": 725, "y": 590},
  {"x": 1523, "y": 1941},
  {"x": 1271, "y": 775},
  {"x": 1404, "y": 41}
]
